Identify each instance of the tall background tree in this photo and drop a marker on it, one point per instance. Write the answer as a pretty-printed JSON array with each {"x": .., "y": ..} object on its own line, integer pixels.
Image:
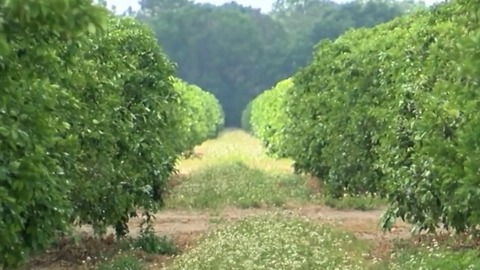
[{"x": 237, "y": 51}]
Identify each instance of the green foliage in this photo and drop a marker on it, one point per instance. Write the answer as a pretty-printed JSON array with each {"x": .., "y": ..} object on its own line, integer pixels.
[
  {"x": 89, "y": 123},
  {"x": 62, "y": 19},
  {"x": 268, "y": 117},
  {"x": 309, "y": 21},
  {"x": 201, "y": 113},
  {"x": 154, "y": 244},
  {"x": 392, "y": 112},
  {"x": 151, "y": 243},
  {"x": 33, "y": 131}
]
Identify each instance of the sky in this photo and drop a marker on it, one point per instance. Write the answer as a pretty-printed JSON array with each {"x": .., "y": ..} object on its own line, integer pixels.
[{"x": 264, "y": 5}]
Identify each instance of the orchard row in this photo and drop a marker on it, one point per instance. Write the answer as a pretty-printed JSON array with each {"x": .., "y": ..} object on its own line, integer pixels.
[
  {"x": 390, "y": 111},
  {"x": 92, "y": 122}
]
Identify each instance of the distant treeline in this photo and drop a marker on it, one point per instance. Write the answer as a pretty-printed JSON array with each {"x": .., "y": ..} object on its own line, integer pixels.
[{"x": 237, "y": 51}]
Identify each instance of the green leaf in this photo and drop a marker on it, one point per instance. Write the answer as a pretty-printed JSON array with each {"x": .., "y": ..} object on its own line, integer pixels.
[{"x": 92, "y": 29}]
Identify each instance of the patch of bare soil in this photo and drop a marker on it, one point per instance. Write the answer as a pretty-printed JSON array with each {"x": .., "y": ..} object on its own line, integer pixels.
[
  {"x": 175, "y": 180},
  {"x": 68, "y": 254},
  {"x": 364, "y": 224},
  {"x": 175, "y": 223},
  {"x": 314, "y": 184}
]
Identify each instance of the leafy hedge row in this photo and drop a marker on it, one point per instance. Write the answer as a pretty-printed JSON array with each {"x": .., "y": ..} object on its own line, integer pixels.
[
  {"x": 203, "y": 116},
  {"x": 90, "y": 128},
  {"x": 393, "y": 111},
  {"x": 267, "y": 117}
]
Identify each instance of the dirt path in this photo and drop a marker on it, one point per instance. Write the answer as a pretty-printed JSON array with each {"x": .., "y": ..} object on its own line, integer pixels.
[{"x": 186, "y": 226}]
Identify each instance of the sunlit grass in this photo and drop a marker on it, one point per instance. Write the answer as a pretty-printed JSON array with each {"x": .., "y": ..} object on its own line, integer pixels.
[
  {"x": 234, "y": 183},
  {"x": 234, "y": 145}
]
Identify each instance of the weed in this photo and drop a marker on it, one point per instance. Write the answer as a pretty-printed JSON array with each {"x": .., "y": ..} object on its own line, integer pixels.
[
  {"x": 151, "y": 243},
  {"x": 122, "y": 262},
  {"x": 275, "y": 241}
]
